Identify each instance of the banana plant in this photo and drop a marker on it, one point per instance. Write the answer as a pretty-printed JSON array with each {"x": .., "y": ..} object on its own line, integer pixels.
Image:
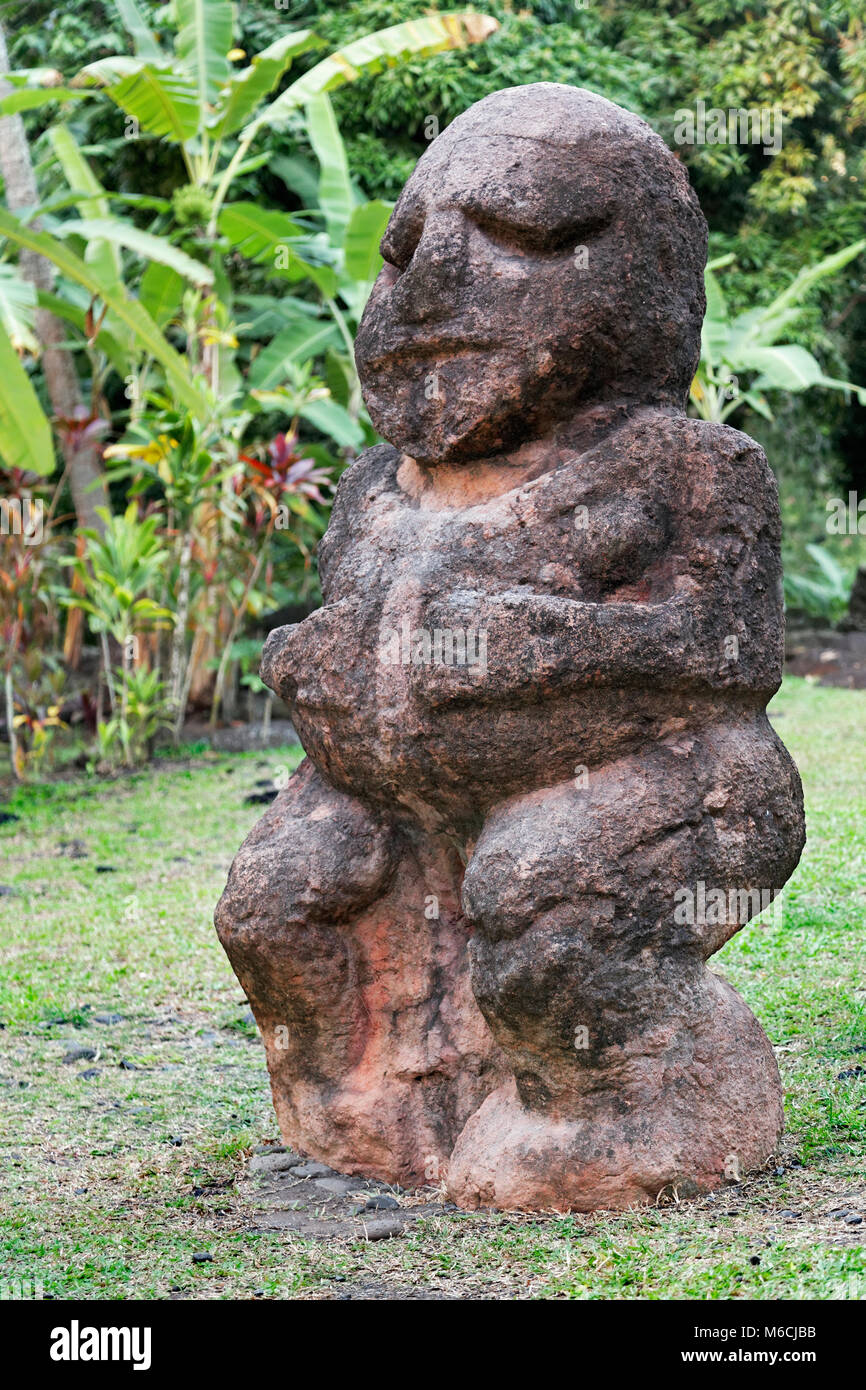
[
  {"x": 749, "y": 346},
  {"x": 347, "y": 241},
  {"x": 195, "y": 98},
  {"x": 192, "y": 95},
  {"x": 823, "y": 593},
  {"x": 123, "y": 305},
  {"x": 25, "y": 435}
]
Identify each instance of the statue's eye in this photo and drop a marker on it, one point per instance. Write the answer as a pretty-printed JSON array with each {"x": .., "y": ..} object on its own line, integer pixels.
[
  {"x": 397, "y": 256},
  {"x": 523, "y": 239}
]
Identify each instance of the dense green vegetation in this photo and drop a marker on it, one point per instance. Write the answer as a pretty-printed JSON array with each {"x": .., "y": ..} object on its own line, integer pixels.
[{"x": 776, "y": 215}]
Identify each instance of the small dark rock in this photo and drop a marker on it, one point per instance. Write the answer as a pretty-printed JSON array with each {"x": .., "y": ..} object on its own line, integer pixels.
[
  {"x": 383, "y": 1228},
  {"x": 106, "y": 869},
  {"x": 851, "y": 1073},
  {"x": 754, "y": 1259},
  {"x": 313, "y": 1170},
  {"x": 127, "y": 1066},
  {"x": 79, "y": 1054},
  {"x": 79, "y": 1192},
  {"x": 72, "y": 849},
  {"x": 381, "y": 1202},
  {"x": 202, "y": 1257},
  {"x": 273, "y": 1163},
  {"x": 261, "y": 798},
  {"x": 779, "y": 1172},
  {"x": 91, "y": 1074},
  {"x": 107, "y": 1018},
  {"x": 175, "y": 1140},
  {"x": 6, "y": 817},
  {"x": 7, "y": 891},
  {"x": 791, "y": 1214},
  {"x": 853, "y": 1219}
]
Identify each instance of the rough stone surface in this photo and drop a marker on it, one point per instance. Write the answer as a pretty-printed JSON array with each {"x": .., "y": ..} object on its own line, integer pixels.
[{"x": 461, "y": 927}]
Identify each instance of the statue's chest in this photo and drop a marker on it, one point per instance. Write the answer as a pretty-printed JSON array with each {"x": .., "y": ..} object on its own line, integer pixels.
[{"x": 500, "y": 544}]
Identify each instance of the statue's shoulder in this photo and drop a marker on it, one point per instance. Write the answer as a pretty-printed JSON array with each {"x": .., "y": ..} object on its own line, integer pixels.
[
  {"x": 654, "y": 432},
  {"x": 729, "y": 469},
  {"x": 371, "y": 474},
  {"x": 702, "y": 462},
  {"x": 369, "y": 478}
]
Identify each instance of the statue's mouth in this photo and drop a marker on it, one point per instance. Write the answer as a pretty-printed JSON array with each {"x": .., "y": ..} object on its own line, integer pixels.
[{"x": 414, "y": 348}]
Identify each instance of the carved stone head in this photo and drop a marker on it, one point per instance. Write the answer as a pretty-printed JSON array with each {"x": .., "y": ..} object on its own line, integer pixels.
[{"x": 546, "y": 255}]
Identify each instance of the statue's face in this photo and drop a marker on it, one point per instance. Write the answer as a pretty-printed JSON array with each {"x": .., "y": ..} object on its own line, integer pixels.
[
  {"x": 504, "y": 283},
  {"x": 524, "y": 276}
]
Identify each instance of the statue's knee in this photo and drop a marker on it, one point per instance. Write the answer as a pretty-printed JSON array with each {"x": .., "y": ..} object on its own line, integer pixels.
[
  {"x": 523, "y": 863},
  {"x": 572, "y": 937},
  {"x": 317, "y": 856}
]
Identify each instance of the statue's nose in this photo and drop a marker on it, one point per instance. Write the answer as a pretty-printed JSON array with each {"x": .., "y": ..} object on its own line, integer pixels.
[{"x": 431, "y": 288}]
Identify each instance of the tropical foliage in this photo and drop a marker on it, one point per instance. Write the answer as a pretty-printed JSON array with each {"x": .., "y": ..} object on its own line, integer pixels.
[
  {"x": 749, "y": 344},
  {"x": 214, "y": 336},
  {"x": 209, "y": 185}
]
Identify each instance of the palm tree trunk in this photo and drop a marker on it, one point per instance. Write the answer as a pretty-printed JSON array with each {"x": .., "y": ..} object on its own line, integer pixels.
[{"x": 61, "y": 379}]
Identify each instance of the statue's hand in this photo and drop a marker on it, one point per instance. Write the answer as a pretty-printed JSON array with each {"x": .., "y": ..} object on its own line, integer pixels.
[
  {"x": 299, "y": 659},
  {"x": 521, "y": 642}
]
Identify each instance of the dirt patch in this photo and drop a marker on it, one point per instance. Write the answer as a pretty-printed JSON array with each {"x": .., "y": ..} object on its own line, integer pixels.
[{"x": 828, "y": 657}]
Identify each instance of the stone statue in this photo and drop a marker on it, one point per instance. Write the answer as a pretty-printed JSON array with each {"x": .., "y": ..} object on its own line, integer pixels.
[{"x": 541, "y": 787}]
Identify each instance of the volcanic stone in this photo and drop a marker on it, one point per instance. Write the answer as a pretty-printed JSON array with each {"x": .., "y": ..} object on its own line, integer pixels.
[{"x": 474, "y": 926}]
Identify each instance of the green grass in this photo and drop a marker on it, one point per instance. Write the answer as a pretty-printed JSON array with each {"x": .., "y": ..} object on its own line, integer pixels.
[{"x": 100, "y": 1201}]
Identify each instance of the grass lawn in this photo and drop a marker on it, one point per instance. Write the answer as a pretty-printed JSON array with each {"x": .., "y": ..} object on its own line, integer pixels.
[{"x": 119, "y": 1165}]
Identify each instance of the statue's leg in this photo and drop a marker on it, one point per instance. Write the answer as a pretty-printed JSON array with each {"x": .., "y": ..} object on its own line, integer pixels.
[
  {"x": 347, "y": 935},
  {"x": 635, "y": 1069}
]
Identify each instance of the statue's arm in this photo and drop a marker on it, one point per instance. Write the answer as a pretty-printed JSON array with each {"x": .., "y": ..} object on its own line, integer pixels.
[
  {"x": 719, "y": 625},
  {"x": 520, "y": 642}
]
